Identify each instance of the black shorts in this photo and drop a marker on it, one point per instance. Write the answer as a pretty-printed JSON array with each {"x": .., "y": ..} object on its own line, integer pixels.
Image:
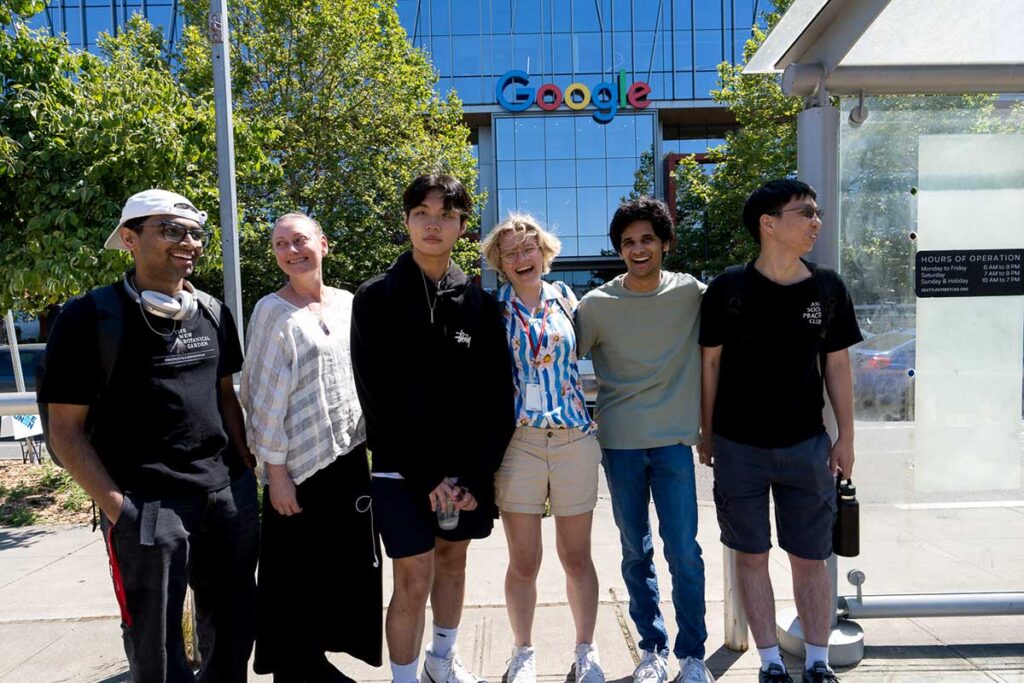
[
  {"x": 408, "y": 526},
  {"x": 802, "y": 486}
]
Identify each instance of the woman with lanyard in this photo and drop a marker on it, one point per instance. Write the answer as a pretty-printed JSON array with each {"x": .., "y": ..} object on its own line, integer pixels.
[
  {"x": 554, "y": 454},
  {"x": 319, "y": 572}
]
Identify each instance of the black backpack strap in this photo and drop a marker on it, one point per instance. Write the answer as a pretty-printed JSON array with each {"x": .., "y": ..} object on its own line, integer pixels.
[
  {"x": 211, "y": 304},
  {"x": 109, "y": 326},
  {"x": 737, "y": 300},
  {"x": 563, "y": 303}
]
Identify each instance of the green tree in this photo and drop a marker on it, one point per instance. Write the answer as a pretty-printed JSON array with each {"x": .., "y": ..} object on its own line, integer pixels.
[
  {"x": 81, "y": 133},
  {"x": 355, "y": 118},
  {"x": 710, "y": 231}
]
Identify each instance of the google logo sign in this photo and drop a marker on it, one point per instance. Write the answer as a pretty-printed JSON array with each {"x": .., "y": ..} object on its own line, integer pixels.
[{"x": 606, "y": 97}]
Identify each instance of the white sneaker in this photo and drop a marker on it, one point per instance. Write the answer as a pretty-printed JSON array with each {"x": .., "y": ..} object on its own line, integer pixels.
[
  {"x": 653, "y": 668},
  {"x": 522, "y": 667},
  {"x": 693, "y": 670},
  {"x": 588, "y": 664},
  {"x": 446, "y": 669}
]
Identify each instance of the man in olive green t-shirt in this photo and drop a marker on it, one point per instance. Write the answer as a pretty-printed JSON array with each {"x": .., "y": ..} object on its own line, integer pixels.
[{"x": 641, "y": 330}]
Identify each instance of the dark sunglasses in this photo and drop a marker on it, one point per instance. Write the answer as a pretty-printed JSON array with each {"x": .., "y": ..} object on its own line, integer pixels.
[
  {"x": 807, "y": 212},
  {"x": 175, "y": 232}
]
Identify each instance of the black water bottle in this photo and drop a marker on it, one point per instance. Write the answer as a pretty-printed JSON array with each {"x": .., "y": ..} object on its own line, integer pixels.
[{"x": 846, "y": 532}]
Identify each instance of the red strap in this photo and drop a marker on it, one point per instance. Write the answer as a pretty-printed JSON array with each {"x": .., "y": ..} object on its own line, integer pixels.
[
  {"x": 534, "y": 348},
  {"x": 115, "y": 575}
]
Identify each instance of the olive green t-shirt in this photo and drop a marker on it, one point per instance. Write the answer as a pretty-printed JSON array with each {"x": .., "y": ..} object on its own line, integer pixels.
[{"x": 647, "y": 361}]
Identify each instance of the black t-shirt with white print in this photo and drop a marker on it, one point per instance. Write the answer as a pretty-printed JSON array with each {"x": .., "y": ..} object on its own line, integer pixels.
[
  {"x": 157, "y": 425},
  {"x": 769, "y": 386}
]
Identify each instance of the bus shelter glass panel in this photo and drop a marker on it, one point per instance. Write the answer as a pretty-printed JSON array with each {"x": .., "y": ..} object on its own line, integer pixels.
[{"x": 938, "y": 390}]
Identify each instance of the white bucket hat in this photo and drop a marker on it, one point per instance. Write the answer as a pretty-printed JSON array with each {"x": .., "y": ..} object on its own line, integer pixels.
[{"x": 153, "y": 203}]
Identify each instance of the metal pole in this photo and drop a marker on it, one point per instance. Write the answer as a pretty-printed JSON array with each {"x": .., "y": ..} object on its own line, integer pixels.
[
  {"x": 220, "y": 48},
  {"x": 817, "y": 161},
  {"x": 12, "y": 340},
  {"x": 736, "y": 634},
  {"x": 935, "y": 605}
]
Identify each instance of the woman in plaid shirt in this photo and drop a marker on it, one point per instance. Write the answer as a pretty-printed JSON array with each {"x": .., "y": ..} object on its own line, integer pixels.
[{"x": 306, "y": 430}]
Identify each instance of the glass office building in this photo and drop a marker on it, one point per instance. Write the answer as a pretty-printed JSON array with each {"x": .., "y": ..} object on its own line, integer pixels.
[
  {"x": 82, "y": 21},
  {"x": 567, "y": 98}
]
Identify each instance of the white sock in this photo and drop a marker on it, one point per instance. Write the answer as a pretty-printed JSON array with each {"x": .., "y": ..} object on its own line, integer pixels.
[
  {"x": 815, "y": 653},
  {"x": 770, "y": 655},
  {"x": 444, "y": 639},
  {"x": 405, "y": 673}
]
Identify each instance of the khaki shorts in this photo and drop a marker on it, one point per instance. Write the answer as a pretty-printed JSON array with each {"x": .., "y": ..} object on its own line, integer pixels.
[{"x": 560, "y": 464}]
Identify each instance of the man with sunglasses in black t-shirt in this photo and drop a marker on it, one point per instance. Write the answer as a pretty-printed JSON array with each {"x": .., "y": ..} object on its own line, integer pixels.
[
  {"x": 772, "y": 332},
  {"x": 143, "y": 414}
]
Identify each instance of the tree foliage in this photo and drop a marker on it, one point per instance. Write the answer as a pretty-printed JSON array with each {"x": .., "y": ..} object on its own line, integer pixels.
[
  {"x": 355, "y": 118},
  {"x": 83, "y": 133},
  {"x": 710, "y": 231},
  {"x": 334, "y": 114}
]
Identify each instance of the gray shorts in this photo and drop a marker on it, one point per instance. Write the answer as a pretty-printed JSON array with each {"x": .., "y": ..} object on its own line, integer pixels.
[{"x": 802, "y": 486}]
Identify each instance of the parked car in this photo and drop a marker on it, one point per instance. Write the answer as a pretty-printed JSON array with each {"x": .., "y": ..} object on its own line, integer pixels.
[
  {"x": 30, "y": 355},
  {"x": 589, "y": 380},
  {"x": 26, "y": 327},
  {"x": 883, "y": 384}
]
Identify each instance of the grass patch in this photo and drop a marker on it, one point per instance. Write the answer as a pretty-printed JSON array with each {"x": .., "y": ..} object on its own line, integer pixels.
[{"x": 40, "y": 494}]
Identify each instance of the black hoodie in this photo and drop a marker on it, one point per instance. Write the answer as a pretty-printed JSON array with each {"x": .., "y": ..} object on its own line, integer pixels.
[{"x": 437, "y": 397}]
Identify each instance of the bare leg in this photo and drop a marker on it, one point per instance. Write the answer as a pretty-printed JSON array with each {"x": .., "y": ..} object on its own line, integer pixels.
[
  {"x": 812, "y": 591},
  {"x": 572, "y": 536},
  {"x": 449, "y": 589},
  {"x": 758, "y": 598},
  {"x": 404, "y": 623},
  {"x": 522, "y": 532}
]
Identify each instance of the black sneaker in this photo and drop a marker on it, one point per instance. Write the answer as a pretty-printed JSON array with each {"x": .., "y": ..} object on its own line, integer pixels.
[
  {"x": 776, "y": 673},
  {"x": 820, "y": 673}
]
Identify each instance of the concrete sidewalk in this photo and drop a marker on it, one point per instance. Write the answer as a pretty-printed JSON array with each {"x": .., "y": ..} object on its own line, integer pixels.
[{"x": 58, "y": 617}]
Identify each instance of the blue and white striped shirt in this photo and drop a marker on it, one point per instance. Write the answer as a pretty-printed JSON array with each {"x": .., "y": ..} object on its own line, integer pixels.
[{"x": 555, "y": 368}]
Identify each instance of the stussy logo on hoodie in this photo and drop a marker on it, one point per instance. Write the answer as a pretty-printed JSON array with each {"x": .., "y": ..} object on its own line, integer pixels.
[{"x": 462, "y": 338}]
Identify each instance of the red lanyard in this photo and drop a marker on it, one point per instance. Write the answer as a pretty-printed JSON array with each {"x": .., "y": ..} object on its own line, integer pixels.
[{"x": 534, "y": 348}]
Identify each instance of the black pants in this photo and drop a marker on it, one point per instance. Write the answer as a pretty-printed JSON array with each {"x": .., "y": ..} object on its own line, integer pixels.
[
  {"x": 158, "y": 546},
  {"x": 320, "y": 573}
]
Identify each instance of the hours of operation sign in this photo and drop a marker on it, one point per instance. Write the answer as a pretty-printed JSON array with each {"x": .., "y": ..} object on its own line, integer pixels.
[{"x": 971, "y": 272}]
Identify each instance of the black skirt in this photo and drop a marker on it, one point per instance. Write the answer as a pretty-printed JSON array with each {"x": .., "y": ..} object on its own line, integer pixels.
[{"x": 319, "y": 575}]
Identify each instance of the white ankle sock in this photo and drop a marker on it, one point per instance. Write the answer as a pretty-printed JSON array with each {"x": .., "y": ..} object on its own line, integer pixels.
[
  {"x": 405, "y": 673},
  {"x": 770, "y": 655},
  {"x": 815, "y": 653},
  {"x": 444, "y": 639}
]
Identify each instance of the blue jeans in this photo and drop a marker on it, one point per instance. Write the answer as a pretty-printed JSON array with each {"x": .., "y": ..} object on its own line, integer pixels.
[{"x": 666, "y": 473}]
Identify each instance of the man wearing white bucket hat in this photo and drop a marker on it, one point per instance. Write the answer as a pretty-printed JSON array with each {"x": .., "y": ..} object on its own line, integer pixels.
[{"x": 136, "y": 382}]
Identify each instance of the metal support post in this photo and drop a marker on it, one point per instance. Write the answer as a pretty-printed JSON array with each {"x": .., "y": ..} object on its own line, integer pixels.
[
  {"x": 220, "y": 49},
  {"x": 817, "y": 143},
  {"x": 12, "y": 340},
  {"x": 736, "y": 633}
]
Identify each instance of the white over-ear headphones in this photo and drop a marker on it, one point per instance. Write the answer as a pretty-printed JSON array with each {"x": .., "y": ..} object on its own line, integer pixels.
[{"x": 181, "y": 306}]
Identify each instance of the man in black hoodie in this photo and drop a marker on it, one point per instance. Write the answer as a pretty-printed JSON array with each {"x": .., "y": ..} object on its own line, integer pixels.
[{"x": 433, "y": 375}]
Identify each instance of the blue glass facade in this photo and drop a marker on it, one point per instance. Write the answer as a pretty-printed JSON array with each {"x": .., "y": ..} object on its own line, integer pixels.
[
  {"x": 673, "y": 45},
  {"x": 82, "y": 21},
  {"x": 556, "y": 161}
]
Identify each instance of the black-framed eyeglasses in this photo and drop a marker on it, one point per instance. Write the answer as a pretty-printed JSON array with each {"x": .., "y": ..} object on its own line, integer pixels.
[
  {"x": 807, "y": 212},
  {"x": 175, "y": 232}
]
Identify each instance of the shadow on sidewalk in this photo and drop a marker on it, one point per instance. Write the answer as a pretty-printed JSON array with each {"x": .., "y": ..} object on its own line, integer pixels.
[
  {"x": 721, "y": 660},
  {"x": 14, "y": 538},
  {"x": 119, "y": 678}
]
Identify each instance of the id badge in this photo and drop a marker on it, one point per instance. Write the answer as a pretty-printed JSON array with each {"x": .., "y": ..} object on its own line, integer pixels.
[{"x": 534, "y": 402}]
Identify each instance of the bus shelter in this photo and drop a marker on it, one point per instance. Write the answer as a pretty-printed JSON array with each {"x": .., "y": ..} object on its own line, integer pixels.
[{"x": 912, "y": 133}]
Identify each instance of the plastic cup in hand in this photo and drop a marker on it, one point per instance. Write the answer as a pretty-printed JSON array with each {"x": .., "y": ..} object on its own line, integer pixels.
[{"x": 448, "y": 516}]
